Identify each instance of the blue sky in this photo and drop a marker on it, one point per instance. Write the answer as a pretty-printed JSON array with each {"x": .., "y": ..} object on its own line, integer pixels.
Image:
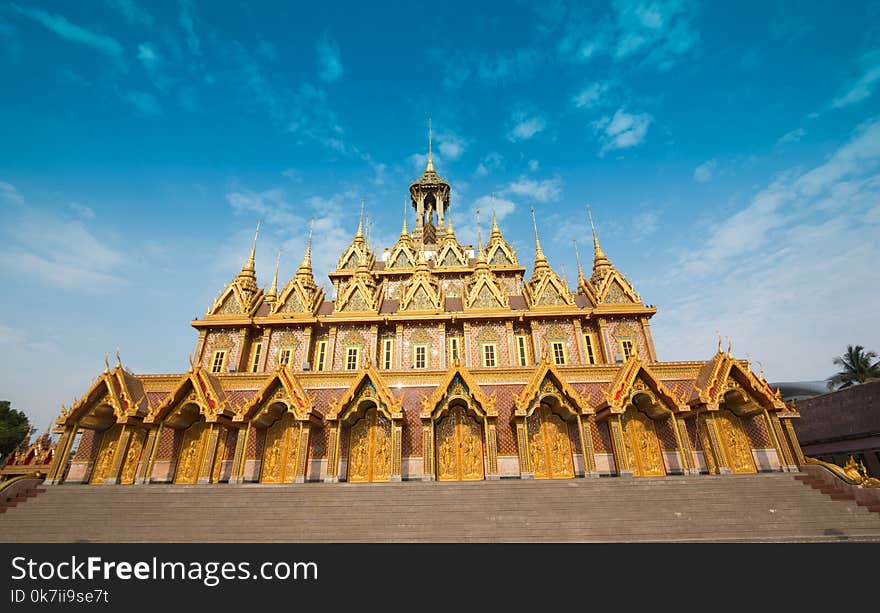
[{"x": 730, "y": 153}]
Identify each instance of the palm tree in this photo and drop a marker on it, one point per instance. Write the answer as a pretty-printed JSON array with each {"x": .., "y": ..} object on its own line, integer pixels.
[{"x": 857, "y": 368}]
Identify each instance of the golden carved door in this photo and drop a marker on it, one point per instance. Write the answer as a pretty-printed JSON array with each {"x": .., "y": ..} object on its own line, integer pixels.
[
  {"x": 369, "y": 450},
  {"x": 735, "y": 442},
  {"x": 459, "y": 445},
  {"x": 280, "y": 451},
  {"x": 642, "y": 446},
  {"x": 549, "y": 445},
  {"x": 191, "y": 451},
  {"x": 104, "y": 459},
  {"x": 132, "y": 456}
]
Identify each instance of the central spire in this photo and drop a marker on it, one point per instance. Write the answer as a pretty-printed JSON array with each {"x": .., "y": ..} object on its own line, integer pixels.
[
  {"x": 429, "y": 167},
  {"x": 601, "y": 263},
  {"x": 541, "y": 262}
]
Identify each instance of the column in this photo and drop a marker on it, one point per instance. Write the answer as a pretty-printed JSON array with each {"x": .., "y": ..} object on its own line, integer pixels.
[
  {"x": 302, "y": 454},
  {"x": 618, "y": 447},
  {"x": 649, "y": 339},
  {"x": 398, "y": 347},
  {"x": 62, "y": 453},
  {"x": 466, "y": 344},
  {"x": 374, "y": 345},
  {"x": 331, "y": 349},
  {"x": 441, "y": 350},
  {"x": 777, "y": 443},
  {"x": 118, "y": 456},
  {"x": 332, "y": 473},
  {"x": 150, "y": 446},
  {"x": 205, "y": 470},
  {"x": 579, "y": 337},
  {"x": 684, "y": 448},
  {"x": 511, "y": 346},
  {"x": 200, "y": 346},
  {"x": 797, "y": 453},
  {"x": 491, "y": 451},
  {"x": 786, "y": 460},
  {"x": 522, "y": 447},
  {"x": 684, "y": 443},
  {"x": 264, "y": 356},
  {"x": 604, "y": 341},
  {"x": 587, "y": 446},
  {"x": 236, "y": 476},
  {"x": 307, "y": 351},
  {"x": 428, "y": 469}
]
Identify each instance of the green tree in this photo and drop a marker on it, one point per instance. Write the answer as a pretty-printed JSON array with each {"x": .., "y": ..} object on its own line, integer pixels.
[
  {"x": 857, "y": 368},
  {"x": 14, "y": 426}
]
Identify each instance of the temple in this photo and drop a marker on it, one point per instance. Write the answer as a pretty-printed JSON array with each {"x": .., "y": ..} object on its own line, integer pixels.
[{"x": 432, "y": 360}]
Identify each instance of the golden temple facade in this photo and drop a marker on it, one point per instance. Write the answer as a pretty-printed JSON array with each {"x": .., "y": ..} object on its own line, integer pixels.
[{"x": 432, "y": 361}]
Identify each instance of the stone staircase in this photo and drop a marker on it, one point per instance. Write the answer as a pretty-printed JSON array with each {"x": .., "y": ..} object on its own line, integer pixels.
[{"x": 765, "y": 507}]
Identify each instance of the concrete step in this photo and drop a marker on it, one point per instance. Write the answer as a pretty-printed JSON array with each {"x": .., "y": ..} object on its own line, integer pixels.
[{"x": 764, "y": 507}]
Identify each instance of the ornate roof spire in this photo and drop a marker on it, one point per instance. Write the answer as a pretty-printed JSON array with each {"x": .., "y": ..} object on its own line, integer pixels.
[
  {"x": 496, "y": 232},
  {"x": 577, "y": 255},
  {"x": 306, "y": 266},
  {"x": 541, "y": 262},
  {"x": 404, "y": 231},
  {"x": 601, "y": 263},
  {"x": 272, "y": 294},
  {"x": 247, "y": 278},
  {"x": 479, "y": 236},
  {"x": 429, "y": 167},
  {"x": 360, "y": 230}
]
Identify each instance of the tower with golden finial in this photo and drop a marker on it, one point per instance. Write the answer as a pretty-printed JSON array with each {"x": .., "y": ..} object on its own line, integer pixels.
[{"x": 429, "y": 195}]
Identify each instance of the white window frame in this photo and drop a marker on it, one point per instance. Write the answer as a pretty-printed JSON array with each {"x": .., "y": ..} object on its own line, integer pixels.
[
  {"x": 255, "y": 357},
  {"x": 423, "y": 348},
  {"x": 484, "y": 355},
  {"x": 522, "y": 350},
  {"x": 561, "y": 345},
  {"x": 281, "y": 352},
  {"x": 589, "y": 348},
  {"x": 623, "y": 342},
  {"x": 321, "y": 356},
  {"x": 218, "y": 368},
  {"x": 388, "y": 353},
  {"x": 349, "y": 352}
]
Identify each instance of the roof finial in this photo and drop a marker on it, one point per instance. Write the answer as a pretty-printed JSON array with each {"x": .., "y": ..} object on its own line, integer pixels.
[
  {"x": 596, "y": 246},
  {"x": 577, "y": 256},
  {"x": 719, "y": 340},
  {"x": 496, "y": 233},
  {"x": 537, "y": 241},
  {"x": 273, "y": 291},
  {"x": 430, "y": 164},
  {"x": 106, "y": 364},
  {"x": 405, "y": 230},
  {"x": 118, "y": 359},
  {"x": 249, "y": 265},
  {"x": 729, "y": 346},
  {"x": 479, "y": 234}
]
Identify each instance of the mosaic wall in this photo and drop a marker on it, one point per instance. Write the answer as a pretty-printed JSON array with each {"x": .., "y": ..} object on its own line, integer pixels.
[
  {"x": 287, "y": 337},
  {"x": 87, "y": 445},
  {"x": 547, "y": 331},
  {"x": 756, "y": 429},
  {"x": 493, "y": 332},
  {"x": 619, "y": 328},
  {"x": 223, "y": 338},
  {"x": 426, "y": 333},
  {"x": 349, "y": 336}
]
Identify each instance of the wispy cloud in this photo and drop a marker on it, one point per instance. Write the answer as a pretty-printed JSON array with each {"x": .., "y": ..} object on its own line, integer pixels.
[
  {"x": 804, "y": 241},
  {"x": 451, "y": 145},
  {"x": 491, "y": 162},
  {"x": 621, "y": 131},
  {"x": 705, "y": 172},
  {"x": 329, "y": 63},
  {"x": 487, "y": 69},
  {"x": 9, "y": 194},
  {"x": 590, "y": 96},
  {"x": 76, "y": 259},
  {"x": 525, "y": 126},
  {"x": 864, "y": 86},
  {"x": 187, "y": 22},
  {"x": 144, "y": 102},
  {"x": 547, "y": 190},
  {"x": 133, "y": 12},
  {"x": 792, "y": 137},
  {"x": 59, "y": 25}
]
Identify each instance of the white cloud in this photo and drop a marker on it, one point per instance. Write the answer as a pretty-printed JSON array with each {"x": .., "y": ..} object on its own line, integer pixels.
[
  {"x": 147, "y": 54},
  {"x": 661, "y": 32},
  {"x": 644, "y": 224},
  {"x": 591, "y": 96},
  {"x": 534, "y": 165},
  {"x": 187, "y": 22},
  {"x": 74, "y": 259},
  {"x": 132, "y": 11},
  {"x": 74, "y": 33},
  {"x": 864, "y": 86},
  {"x": 540, "y": 191},
  {"x": 705, "y": 172},
  {"x": 805, "y": 241},
  {"x": 489, "y": 163},
  {"x": 329, "y": 63},
  {"x": 144, "y": 102},
  {"x": 525, "y": 126},
  {"x": 451, "y": 145},
  {"x": 465, "y": 220},
  {"x": 82, "y": 211},
  {"x": 622, "y": 131},
  {"x": 9, "y": 193},
  {"x": 792, "y": 137}
]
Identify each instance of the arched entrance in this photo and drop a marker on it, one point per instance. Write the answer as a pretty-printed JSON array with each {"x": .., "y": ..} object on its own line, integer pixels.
[
  {"x": 104, "y": 460},
  {"x": 191, "y": 454},
  {"x": 641, "y": 444},
  {"x": 459, "y": 445},
  {"x": 281, "y": 449},
  {"x": 549, "y": 444},
  {"x": 735, "y": 442},
  {"x": 132, "y": 456},
  {"x": 369, "y": 449}
]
